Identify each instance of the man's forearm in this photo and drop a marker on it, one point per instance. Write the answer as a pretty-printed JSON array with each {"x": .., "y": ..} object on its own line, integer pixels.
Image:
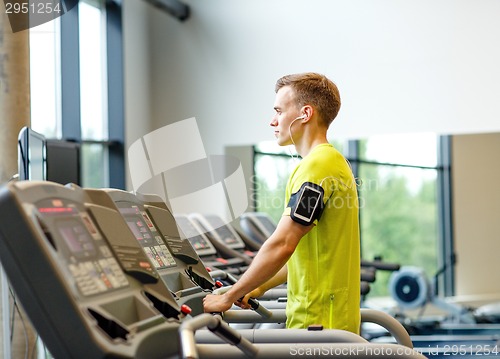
[
  {"x": 268, "y": 263},
  {"x": 276, "y": 280}
]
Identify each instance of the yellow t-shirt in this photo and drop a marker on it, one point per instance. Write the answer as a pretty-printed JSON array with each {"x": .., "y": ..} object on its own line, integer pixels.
[{"x": 324, "y": 271}]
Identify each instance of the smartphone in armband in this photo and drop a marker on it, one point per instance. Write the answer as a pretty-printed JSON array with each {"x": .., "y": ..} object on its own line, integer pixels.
[{"x": 307, "y": 204}]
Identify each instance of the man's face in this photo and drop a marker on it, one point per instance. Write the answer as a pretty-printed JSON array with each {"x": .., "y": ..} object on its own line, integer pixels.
[{"x": 286, "y": 111}]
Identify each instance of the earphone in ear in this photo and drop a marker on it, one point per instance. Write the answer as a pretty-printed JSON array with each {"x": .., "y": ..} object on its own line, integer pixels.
[{"x": 303, "y": 117}]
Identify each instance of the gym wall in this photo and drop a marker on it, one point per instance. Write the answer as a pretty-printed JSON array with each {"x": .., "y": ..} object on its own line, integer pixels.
[{"x": 476, "y": 207}]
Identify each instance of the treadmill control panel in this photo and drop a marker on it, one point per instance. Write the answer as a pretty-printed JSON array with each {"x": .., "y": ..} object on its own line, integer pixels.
[
  {"x": 88, "y": 256},
  {"x": 197, "y": 239},
  {"x": 147, "y": 235},
  {"x": 230, "y": 238}
]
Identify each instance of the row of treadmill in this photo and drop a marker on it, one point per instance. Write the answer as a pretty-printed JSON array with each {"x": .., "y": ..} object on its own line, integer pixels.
[{"x": 105, "y": 273}]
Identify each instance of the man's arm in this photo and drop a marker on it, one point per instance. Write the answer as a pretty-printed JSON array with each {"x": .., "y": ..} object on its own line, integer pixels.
[
  {"x": 270, "y": 259},
  {"x": 279, "y": 278}
]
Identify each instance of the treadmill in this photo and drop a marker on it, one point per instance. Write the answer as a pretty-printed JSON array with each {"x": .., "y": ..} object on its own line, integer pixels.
[
  {"x": 182, "y": 271},
  {"x": 79, "y": 294},
  {"x": 223, "y": 236},
  {"x": 211, "y": 257}
]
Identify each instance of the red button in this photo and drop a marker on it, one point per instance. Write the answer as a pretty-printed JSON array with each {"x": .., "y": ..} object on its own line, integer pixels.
[
  {"x": 218, "y": 284},
  {"x": 185, "y": 309}
]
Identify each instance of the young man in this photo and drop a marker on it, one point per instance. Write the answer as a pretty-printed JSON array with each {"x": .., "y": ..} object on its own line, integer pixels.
[{"x": 315, "y": 247}]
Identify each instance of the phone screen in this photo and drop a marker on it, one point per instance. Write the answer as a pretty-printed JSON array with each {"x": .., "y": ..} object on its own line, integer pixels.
[{"x": 307, "y": 204}]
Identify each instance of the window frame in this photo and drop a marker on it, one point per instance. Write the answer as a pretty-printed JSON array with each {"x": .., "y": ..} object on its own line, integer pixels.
[{"x": 70, "y": 88}]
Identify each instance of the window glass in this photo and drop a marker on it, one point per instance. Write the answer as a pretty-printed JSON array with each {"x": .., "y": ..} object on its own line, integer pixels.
[
  {"x": 45, "y": 85},
  {"x": 272, "y": 173},
  {"x": 92, "y": 71},
  {"x": 399, "y": 202},
  {"x": 398, "y": 218},
  {"x": 407, "y": 149},
  {"x": 94, "y": 156},
  {"x": 93, "y": 93}
]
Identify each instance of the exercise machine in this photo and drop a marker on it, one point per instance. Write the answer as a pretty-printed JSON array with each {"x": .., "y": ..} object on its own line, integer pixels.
[
  {"x": 80, "y": 296},
  {"x": 223, "y": 236},
  {"x": 228, "y": 260},
  {"x": 177, "y": 265}
]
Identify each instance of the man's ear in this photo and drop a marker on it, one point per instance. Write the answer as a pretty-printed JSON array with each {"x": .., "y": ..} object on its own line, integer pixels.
[{"x": 307, "y": 112}]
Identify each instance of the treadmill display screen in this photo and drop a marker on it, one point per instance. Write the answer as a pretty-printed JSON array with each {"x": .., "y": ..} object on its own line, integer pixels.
[
  {"x": 81, "y": 247},
  {"x": 224, "y": 233},
  {"x": 198, "y": 242},
  {"x": 146, "y": 234},
  {"x": 77, "y": 238},
  {"x": 192, "y": 234},
  {"x": 226, "y": 236}
]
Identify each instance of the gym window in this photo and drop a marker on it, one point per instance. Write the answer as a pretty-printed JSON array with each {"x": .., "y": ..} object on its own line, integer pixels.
[
  {"x": 45, "y": 80},
  {"x": 93, "y": 99},
  {"x": 404, "y": 198},
  {"x": 76, "y": 95}
]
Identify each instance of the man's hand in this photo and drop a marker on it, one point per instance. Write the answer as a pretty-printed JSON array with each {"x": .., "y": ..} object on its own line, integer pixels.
[
  {"x": 243, "y": 303},
  {"x": 216, "y": 303}
]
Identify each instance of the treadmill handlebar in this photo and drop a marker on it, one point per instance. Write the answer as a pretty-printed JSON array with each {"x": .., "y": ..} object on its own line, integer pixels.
[
  {"x": 256, "y": 306},
  {"x": 224, "y": 275},
  {"x": 254, "y": 303},
  {"x": 217, "y": 326},
  {"x": 393, "y": 326}
]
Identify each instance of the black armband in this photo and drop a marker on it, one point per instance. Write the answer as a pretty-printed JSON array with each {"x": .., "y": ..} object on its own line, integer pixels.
[{"x": 306, "y": 205}]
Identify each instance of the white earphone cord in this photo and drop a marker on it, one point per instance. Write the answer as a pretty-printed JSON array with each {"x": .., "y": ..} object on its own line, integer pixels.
[{"x": 291, "y": 137}]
